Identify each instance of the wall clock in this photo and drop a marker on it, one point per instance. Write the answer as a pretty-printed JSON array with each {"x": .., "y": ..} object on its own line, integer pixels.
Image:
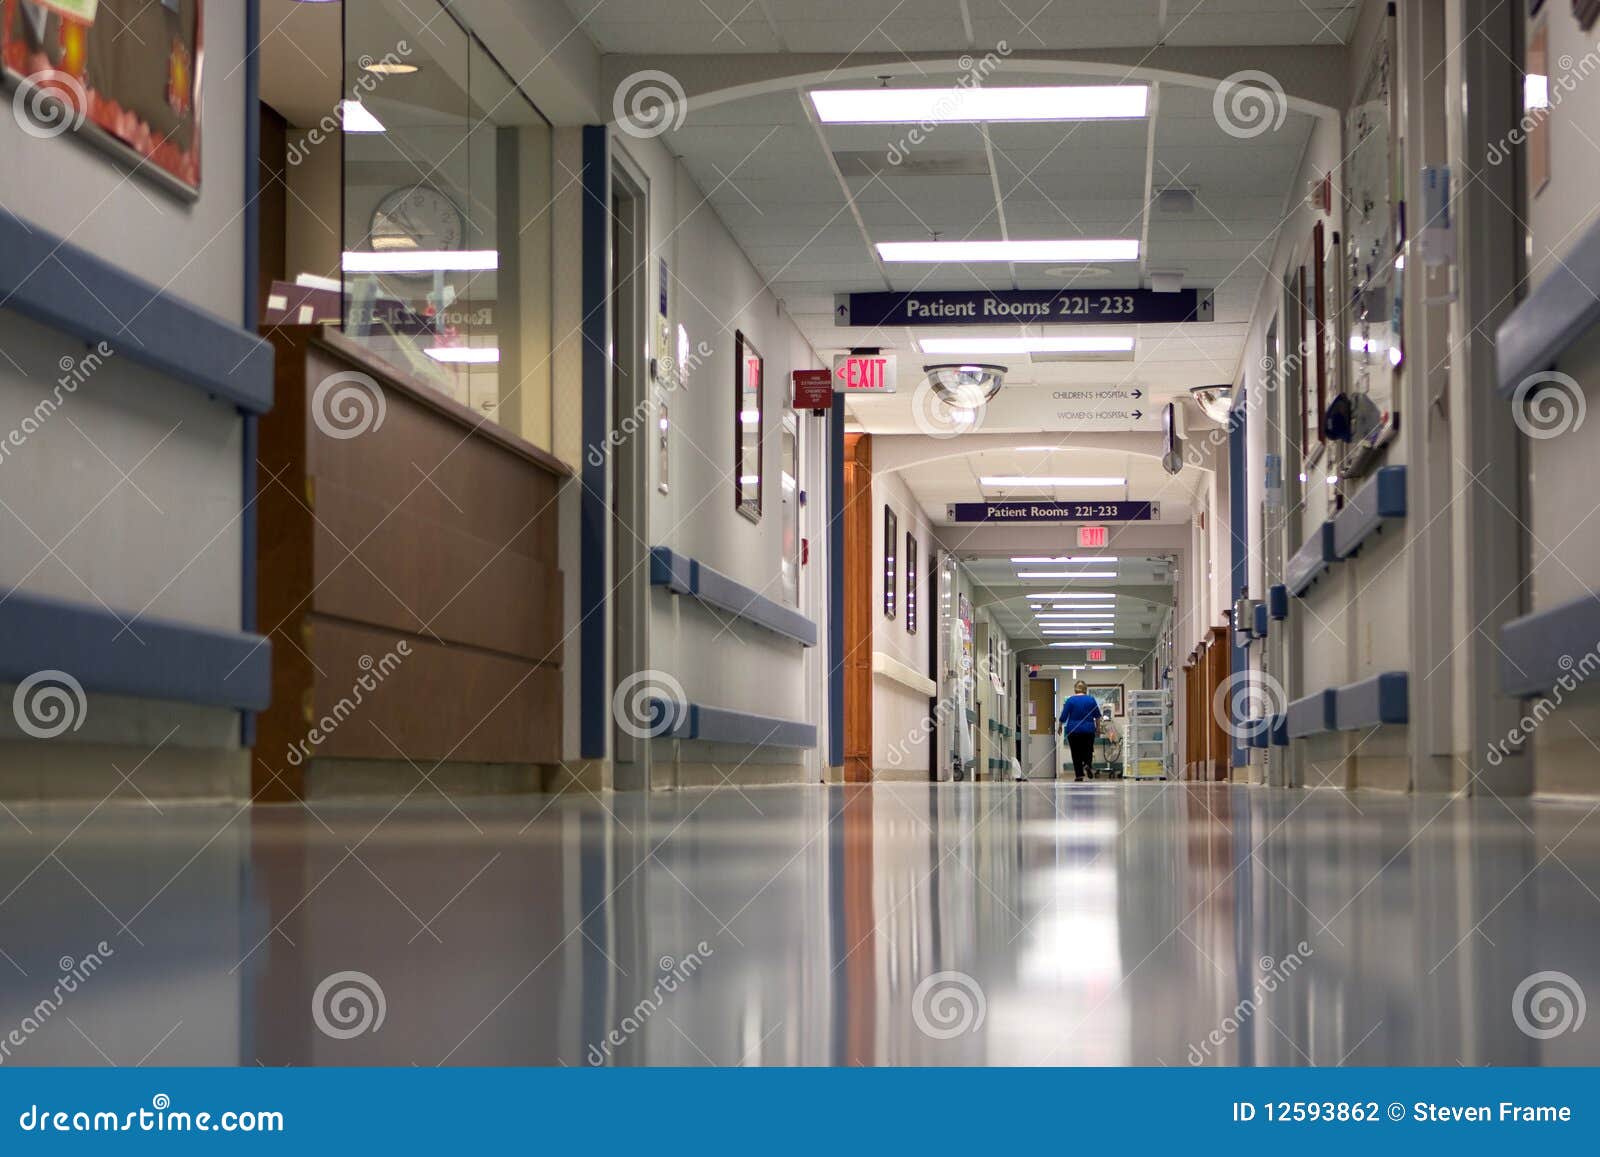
[{"x": 417, "y": 217}]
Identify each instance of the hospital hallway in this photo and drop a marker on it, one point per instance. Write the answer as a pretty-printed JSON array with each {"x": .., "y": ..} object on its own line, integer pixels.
[
  {"x": 1029, "y": 924},
  {"x": 622, "y": 534}
]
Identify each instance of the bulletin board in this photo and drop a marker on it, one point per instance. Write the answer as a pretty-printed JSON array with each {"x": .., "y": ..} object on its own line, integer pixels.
[{"x": 122, "y": 74}]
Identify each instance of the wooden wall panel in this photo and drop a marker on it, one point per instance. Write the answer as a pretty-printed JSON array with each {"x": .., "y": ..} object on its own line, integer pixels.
[
  {"x": 1219, "y": 751},
  {"x": 858, "y": 608},
  {"x": 460, "y": 564},
  {"x": 422, "y": 455},
  {"x": 439, "y": 702},
  {"x": 390, "y": 567}
]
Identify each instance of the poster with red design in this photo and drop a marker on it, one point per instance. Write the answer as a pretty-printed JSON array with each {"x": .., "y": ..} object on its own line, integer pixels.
[{"x": 124, "y": 74}]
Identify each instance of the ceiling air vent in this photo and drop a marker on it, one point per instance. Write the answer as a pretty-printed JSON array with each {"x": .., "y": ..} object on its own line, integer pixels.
[
  {"x": 914, "y": 163},
  {"x": 1176, "y": 199}
]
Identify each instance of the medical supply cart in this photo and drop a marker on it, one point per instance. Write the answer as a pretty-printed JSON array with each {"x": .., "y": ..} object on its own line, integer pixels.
[{"x": 1147, "y": 736}]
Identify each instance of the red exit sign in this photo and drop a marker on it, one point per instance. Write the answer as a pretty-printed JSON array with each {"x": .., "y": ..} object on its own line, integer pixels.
[
  {"x": 1096, "y": 656},
  {"x": 864, "y": 373},
  {"x": 1092, "y": 536}
]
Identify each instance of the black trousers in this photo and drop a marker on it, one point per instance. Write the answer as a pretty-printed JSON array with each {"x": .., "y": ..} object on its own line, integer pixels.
[{"x": 1081, "y": 744}]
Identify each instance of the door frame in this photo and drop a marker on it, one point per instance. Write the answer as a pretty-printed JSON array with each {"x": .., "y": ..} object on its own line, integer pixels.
[{"x": 628, "y": 526}]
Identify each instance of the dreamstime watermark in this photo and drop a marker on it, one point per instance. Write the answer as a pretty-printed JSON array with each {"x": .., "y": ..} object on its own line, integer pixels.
[
  {"x": 348, "y": 1004},
  {"x": 648, "y": 703},
  {"x": 948, "y": 1004},
  {"x": 973, "y": 74},
  {"x": 674, "y": 974},
  {"x": 347, "y": 404},
  {"x": 1547, "y": 1004},
  {"x": 74, "y": 372},
  {"x": 73, "y": 974},
  {"x": 1540, "y": 96},
  {"x": 48, "y": 103},
  {"x": 937, "y": 417},
  {"x": 1548, "y": 404},
  {"x": 673, "y": 373},
  {"x": 946, "y": 708},
  {"x": 1274, "y": 974},
  {"x": 1574, "y": 674},
  {"x": 1248, "y": 103},
  {"x": 49, "y": 703},
  {"x": 1245, "y": 702},
  {"x": 648, "y": 103},
  {"x": 331, "y": 126},
  {"x": 1274, "y": 372},
  {"x": 376, "y": 671}
]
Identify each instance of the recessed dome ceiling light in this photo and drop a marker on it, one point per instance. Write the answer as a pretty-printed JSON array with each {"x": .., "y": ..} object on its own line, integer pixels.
[
  {"x": 965, "y": 385},
  {"x": 1215, "y": 402},
  {"x": 389, "y": 68}
]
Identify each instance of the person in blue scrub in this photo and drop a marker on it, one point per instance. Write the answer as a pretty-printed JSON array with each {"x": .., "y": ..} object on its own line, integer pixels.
[{"x": 1080, "y": 719}]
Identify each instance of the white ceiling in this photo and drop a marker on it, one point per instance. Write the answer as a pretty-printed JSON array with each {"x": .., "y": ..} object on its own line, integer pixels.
[
  {"x": 807, "y": 202},
  {"x": 845, "y": 26},
  {"x": 1135, "y": 620},
  {"x": 938, "y": 483},
  {"x": 769, "y": 173}
]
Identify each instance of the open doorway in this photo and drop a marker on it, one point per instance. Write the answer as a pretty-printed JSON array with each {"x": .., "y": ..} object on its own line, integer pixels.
[{"x": 629, "y": 397}]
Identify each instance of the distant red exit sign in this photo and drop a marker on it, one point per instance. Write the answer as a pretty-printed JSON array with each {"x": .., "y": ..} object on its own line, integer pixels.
[
  {"x": 1097, "y": 656},
  {"x": 1091, "y": 536}
]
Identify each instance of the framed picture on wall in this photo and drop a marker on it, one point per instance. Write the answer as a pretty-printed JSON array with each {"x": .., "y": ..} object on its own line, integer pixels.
[
  {"x": 123, "y": 74},
  {"x": 748, "y": 427},
  {"x": 1110, "y": 697},
  {"x": 1314, "y": 382},
  {"x": 891, "y": 570},
  {"x": 911, "y": 583}
]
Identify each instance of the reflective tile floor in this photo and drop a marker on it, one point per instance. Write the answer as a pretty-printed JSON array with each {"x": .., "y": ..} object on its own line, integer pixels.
[{"x": 961, "y": 924}]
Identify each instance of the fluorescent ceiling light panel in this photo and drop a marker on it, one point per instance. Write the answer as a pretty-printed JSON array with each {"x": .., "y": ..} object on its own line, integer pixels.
[
  {"x": 1052, "y": 480},
  {"x": 1065, "y": 558},
  {"x": 1058, "y": 344},
  {"x": 876, "y": 106},
  {"x": 355, "y": 117},
  {"x": 471, "y": 355},
  {"x": 422, "y": 261},
  {"x": 1066, "y": 574},
  {"x": 1102, "y": 595},
  {"x": 1074, "y": 615},
  {"x": 1071, "y": 249}
]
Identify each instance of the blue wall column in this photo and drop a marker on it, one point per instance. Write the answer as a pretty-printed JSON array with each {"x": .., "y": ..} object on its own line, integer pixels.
[
  {"x": 592, "y": 512},
  {"x": 252, "y": 265},
  {"x": 1239, "y": 540}
]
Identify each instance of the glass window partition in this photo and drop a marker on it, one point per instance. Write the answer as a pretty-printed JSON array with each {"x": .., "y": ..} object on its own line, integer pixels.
[{"x": 446, "y": 189}]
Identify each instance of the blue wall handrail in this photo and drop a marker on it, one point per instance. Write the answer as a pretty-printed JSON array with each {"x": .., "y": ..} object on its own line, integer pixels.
[
  {"x": 671, "y": 720},
  {"x": 48, "y": 279},
  {"x": 140, "y": 657},
  {"x": 1372, "y": 702},
  {"x": 687, "y": 576},
  {"x": 1311, "y": 561},
  {"x": 1311, "y": 715},
  {"x": 1381, "y": 500},
  {"x": 1540, "y": 650},
  {"x": 1559, "y": 311}
]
